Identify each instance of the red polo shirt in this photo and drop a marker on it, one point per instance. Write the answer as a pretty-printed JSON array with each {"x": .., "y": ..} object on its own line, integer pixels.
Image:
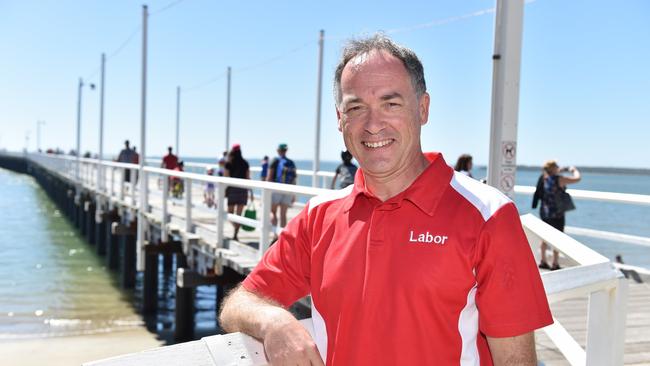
[{"x": 420, "y": 279}]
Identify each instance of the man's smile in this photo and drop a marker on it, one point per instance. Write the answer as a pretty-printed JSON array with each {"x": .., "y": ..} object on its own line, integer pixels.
[{"x": 377, "y": 144}]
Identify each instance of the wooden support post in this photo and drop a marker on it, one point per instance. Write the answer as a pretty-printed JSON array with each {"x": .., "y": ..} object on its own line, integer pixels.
[
  {"x": 81, "y": 224},
  {"x": 150, "y": 286},
  {"x": 168, "y": 262},
  {"x": 127, "y": 263},
  {"x": 90, "y": 221},
  {"x": 184, "y": 311},
  {"x": 221, "y": 293},
  {"x": 112, "y": 246},
  {"x": 100, "y": 231}
]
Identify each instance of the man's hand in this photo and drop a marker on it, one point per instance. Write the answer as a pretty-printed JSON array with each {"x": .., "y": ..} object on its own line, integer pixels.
[
  {"x": 286, "y": 341},
  {"x": 289, "y": 343}
]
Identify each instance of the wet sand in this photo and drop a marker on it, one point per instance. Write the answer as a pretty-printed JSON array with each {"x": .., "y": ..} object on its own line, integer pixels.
[{"x": 75, "y": 350}]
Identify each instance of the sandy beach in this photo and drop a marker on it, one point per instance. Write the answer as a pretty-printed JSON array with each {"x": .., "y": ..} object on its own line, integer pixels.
[{"x": 75, "y": 350}]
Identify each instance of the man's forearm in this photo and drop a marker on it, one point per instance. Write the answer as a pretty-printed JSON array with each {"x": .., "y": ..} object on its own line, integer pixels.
[{"x": 248, "y": 313}]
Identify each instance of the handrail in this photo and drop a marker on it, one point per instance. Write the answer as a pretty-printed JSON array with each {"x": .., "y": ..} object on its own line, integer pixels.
[
  {"x": 590, "y": 274},
  {"x": 631, "y": 198}
]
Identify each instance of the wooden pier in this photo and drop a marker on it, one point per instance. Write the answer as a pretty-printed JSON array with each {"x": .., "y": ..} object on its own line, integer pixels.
[{"x": 589, "y": 298}]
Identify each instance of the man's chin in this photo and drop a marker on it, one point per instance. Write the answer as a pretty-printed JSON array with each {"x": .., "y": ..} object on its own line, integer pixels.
[{"x": 377, "y": 167}]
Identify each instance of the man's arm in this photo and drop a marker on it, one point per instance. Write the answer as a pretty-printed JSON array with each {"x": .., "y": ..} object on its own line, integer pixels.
[
  {"x": 285, "y": 340},
  {"x": 511, "y": 351}
]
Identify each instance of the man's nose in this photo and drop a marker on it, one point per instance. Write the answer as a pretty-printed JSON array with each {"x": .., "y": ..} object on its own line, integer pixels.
[{"x": 375, "y": 121}]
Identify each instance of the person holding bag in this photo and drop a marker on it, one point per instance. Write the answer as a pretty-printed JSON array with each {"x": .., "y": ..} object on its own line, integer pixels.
[
  {"x": 555, "y": 201},
  {"x": 236, "y": 167}
]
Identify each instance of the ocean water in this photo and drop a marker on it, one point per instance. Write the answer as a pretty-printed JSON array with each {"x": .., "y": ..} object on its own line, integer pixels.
[{"x": 53, "y": 284}]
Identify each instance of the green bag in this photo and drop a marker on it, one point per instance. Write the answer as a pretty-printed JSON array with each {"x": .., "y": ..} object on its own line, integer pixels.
[{"x": 250, "y": 213}]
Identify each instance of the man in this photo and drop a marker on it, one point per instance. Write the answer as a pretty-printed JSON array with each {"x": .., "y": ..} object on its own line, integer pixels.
[
  {"x": 169, "y": 161},
  {"x": 412, "y": 265},
  {"x": 126, "y": 156},
  {"x": 281, "y": 170}
]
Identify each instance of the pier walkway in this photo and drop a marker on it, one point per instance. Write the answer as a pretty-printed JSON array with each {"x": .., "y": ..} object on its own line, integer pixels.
[{"x": 591, "y": 300}]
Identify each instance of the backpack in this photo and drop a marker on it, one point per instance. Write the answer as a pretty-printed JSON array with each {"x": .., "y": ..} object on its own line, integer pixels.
[{"x": 285, "y": 172}]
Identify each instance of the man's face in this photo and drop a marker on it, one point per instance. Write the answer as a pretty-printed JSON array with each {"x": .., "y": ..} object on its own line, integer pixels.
[{"x": 380, "y": 115}]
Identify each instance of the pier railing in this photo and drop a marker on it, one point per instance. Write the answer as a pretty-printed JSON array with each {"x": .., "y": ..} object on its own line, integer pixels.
[
  {"x": 591, "y": 274},
  {"x": 116, "y": 183}
]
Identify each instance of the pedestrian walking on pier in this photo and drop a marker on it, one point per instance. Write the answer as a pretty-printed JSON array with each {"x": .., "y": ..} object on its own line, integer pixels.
[
  {"x": 555, "y": 202},
  {"x": 236, "y": 167},
  {"x": 126, "y": 156},
  {"x": 281, "y": 170}
]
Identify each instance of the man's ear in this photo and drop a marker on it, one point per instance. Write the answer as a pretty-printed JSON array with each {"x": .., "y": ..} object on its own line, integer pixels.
[
  {"x": 338, "y": 118},
  {"x": 423, "y": 108}
]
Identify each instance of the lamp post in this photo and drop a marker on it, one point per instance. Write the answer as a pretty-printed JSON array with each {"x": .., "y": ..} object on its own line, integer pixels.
[
  {"x": 38, "y": 135},
  {"x": 178, "y": 117},
  {"x": 78, "y": 162}
]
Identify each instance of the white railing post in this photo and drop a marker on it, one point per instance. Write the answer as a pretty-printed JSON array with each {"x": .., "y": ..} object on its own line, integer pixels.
[
  {"x": 122, "y": 183},
  {"x": 606, "y": 325},
  {"x": 187, "y": 182},
  {"x": 163, "y": 220},
  {"x": 265, "y": 218},
  {"x": 112, "y": 190},
  {"x": 222, "y": 214},
  {"x": 134, "y": 173},
  {"x": 143, "y": 208}
]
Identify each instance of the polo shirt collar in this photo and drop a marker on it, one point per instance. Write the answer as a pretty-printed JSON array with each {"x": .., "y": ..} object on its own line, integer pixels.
[{"x": 425, "y": 191}]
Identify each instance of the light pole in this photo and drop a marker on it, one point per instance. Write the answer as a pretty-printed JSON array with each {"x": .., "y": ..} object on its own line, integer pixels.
[
  {"x": 316, "y": 163},
  {"x": 38, "y": 135},
  {"x": 228, "y": 111},
  {"x": 100, "y": 157},
  {"x": 78, "y": 163},
  {"x": 78, "y": 160},
  {"x": 144, "y": 188},
  {"x": 27, "y": 141},
  {"x": 178, "y": 116}
]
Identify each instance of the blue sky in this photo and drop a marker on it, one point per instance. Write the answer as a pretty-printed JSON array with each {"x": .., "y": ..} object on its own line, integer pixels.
[{"x": 585, "y": 74}]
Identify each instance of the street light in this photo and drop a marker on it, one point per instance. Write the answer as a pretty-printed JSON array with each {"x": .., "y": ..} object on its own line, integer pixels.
[
  {"x": 38, "y": 135},
  {"x": 78, "y": 167}
]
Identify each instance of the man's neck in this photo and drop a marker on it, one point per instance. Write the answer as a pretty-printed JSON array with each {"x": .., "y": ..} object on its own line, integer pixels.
[{"x": 385, "y": 188}]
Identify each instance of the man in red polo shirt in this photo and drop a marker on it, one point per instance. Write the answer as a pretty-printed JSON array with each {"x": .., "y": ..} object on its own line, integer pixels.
[{"x": 413, "y": 265}]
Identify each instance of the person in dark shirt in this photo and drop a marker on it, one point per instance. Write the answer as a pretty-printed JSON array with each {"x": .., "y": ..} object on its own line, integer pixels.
[
  {"x": 548, "y": 184},
  {"x": 346, "y": 171},
  {"x": 281, "y": 170},
  {"x": 236, "y": 167},
  {"x": 265, "y": 167}
]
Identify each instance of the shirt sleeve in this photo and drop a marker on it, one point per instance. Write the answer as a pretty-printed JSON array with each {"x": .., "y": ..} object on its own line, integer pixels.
[
  {"x": 283, "y": 274},
  {"x": 510, "y": 295}
]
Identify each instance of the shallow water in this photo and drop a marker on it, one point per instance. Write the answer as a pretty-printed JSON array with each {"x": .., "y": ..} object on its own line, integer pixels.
[{"x": 51, "y": 283}]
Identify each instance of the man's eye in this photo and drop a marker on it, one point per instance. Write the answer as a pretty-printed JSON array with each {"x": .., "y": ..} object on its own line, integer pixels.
[{"x": 353, "y": 109}]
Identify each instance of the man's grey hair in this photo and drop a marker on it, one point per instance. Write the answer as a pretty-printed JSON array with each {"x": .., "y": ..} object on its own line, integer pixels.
[{"x": 381, "y": 42}]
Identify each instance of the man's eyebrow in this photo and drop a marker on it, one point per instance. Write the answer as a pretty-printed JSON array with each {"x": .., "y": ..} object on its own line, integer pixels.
[
  {"x": 351, "y": 100},
  {"x": 391, "y": 96}
]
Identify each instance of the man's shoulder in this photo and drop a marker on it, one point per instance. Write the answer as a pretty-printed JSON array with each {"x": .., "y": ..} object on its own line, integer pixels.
[
  {"x": 332, "y": 197},
  {"x": 485, "y": 198}
]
